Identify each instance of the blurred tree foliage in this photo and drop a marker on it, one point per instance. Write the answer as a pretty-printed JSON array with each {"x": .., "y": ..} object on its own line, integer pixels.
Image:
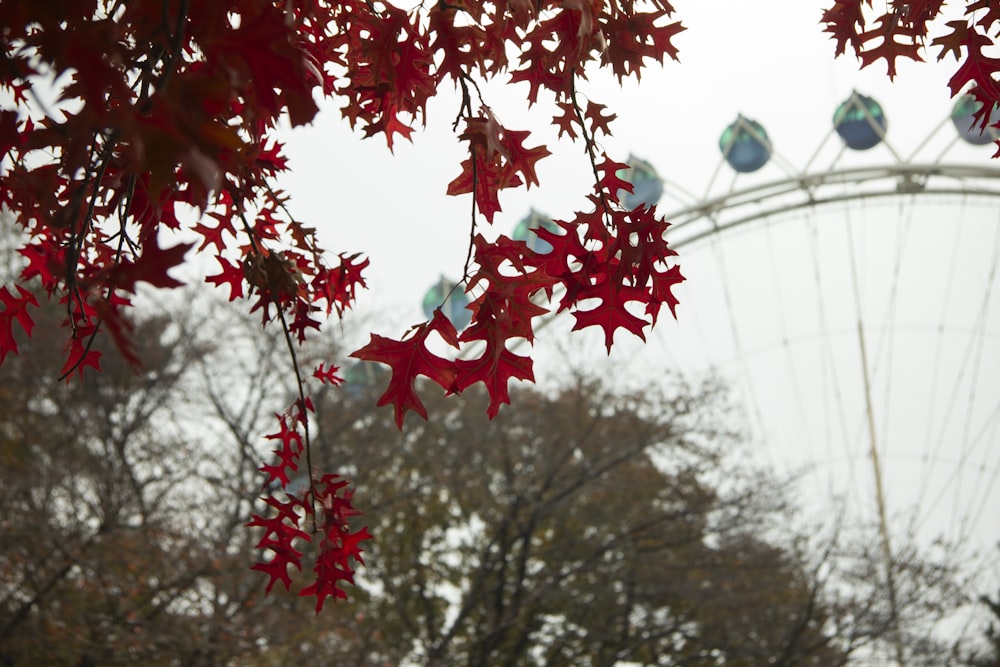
[
  {"x": 591, "y": 526},
  {"x": 990, "y": 655}
]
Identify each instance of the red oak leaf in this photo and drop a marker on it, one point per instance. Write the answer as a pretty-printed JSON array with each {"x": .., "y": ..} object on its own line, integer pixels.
[
  {"x": 523, "y": 159},
  {"x": 46, "y": 261},
  {"x": 263, "y": 51},
  {"x": 232, "y": 275},
  {"x": 79, "y": 357},
  {"x": 328, "y": 376},
  {"x": 486, "y": 179},
  {"x": 281, "y": 532},
  {"x": 494, "y": 369},
  {"x": 611, "y": 314},
  {"x": 978, "y": 68},
  {"x": 662, "y": 291},
  {"x": 953, "y": 41},
  {"x": 599, "y": 121},
  {"x": 567, "y": 120},
  {"x": 213, "y": 235},
  {"x": 892, "y": 41},
  {"x": 409, "y": 358},
  {"x": 151, "y": 267},
  {"x": 844, "y": 21},
  {"x": 15, "y": 310},
  {"x": 611, "y": 183},
  {"x": 288, "y": 452},
  {"x": 339, "y": 548},
  {"x": 989, "y": 17}
]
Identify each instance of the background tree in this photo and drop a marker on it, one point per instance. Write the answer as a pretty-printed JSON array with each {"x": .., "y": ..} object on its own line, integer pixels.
[
  {"x": 125, "y": 498},
  {"x": 118, "y": 118},
  {"x": 593, "y": 526},
  {"x": 990, "y": 655},
  {"x": 590, "y": 526}
]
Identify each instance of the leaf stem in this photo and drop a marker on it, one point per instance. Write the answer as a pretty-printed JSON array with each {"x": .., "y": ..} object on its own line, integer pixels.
[
  {"x": 590, "y": 146},
  {"x": 298, "y": 376}
]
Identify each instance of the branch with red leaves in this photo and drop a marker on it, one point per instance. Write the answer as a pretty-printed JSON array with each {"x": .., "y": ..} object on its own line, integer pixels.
[
  {"x": 115, "y": 117},
  {"x": 618, "y": 257},
  {"x": 118, "y": 116},
  {"x": 904, "y": 29}
]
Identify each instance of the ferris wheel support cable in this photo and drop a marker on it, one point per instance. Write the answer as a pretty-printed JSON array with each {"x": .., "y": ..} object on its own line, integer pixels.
[
  {"x": 783, "y": 325},
  {"x": 980, "y": 336},
  {"x": 887, "y": 339},
  {"x": 994, "y": 420},
  {"x": 990, "y": 425},
  {"x": 935, "y": 383},
  {"x": 829, "y": 362},
  {"x": 734, "y": 332},
  {"x": 890, "y": 578},
  {"x": 966, "y": 362}
]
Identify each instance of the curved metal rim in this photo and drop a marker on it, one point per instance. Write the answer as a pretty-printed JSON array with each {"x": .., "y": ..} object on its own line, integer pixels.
[{"x": 719, "y": 214}]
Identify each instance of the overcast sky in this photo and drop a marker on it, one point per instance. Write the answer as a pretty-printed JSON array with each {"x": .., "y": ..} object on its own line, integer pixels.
[{"x": 776, "y": 67}]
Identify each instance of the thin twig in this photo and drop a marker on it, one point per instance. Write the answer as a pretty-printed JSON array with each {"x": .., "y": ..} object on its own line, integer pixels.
[{"x": 298, "y": 376}]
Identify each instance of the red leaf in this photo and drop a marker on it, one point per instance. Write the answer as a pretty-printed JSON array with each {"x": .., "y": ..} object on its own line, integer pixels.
[
  {"x": 339, "y": 548},
  {"x": 892, "y": 41},
  {"x": 232, "y": 275},
  {"x": 632, "y": 37},
  {"x": 844, "y": 21},
  {"x": 273, "y": 65},
  {"x": 288, "y": 452},
  {"x": 46, "y": 261},
  {"x": 151, "y": 267},
  {"x": 281, "y": 532},
  {"x": 599, "y": 122},
  {"x": 663, "y": 283},
  {"x": 494, "y": 369},
  {"x": 977, "y": 68},
  {"x": 953, "y": 41},
  {"x": 78, "y": 357},
  {"x": 611, "y": 183},
  {"x": 611, "y": 314},
  {"x": 523, "y": 159},
  {"x": 213, "y": 235},
  {"x": 497, "y": 156},
  {"x": 328, "y": 376},
  {"x": 566, "y": 121},
  {"x": 408, "y": 359},
  {"x": 15, "y": 310}
]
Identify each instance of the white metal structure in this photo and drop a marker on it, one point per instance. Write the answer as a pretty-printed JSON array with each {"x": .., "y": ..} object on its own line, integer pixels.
[{"x": 854, "y": 309}]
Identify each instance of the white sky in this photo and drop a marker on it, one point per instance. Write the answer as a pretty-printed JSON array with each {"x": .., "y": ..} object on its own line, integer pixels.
[
  {"x": 393, "y": 207},
  {"x": 775, "y": 66}
]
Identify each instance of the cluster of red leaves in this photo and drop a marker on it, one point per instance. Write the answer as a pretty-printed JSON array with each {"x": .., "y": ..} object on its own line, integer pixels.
[
  {"x": 118, "y": 118},
  {"x": 124, "y": 114},
  {"x": 160, "y": 105},
  {"x": 611, "y": 265},
  {"x": 610, "y": 258},
  {"x": 904, "y": 29},
  {"x": 325, "y": 503}
]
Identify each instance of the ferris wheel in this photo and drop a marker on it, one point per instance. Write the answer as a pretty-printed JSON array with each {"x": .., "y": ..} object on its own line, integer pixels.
[{"x": 853, "y": 306}]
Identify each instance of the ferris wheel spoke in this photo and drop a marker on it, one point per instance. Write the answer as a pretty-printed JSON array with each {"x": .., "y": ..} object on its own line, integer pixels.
[
  {"x": 981, "y": 500},
  {"x": 832, "y": 388},
  {"x": 978, "y": 339},
  {"x": 930, "y": 451},
  {"x": 851, "y": 310},
  {"x": 752, "y": 399}
]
